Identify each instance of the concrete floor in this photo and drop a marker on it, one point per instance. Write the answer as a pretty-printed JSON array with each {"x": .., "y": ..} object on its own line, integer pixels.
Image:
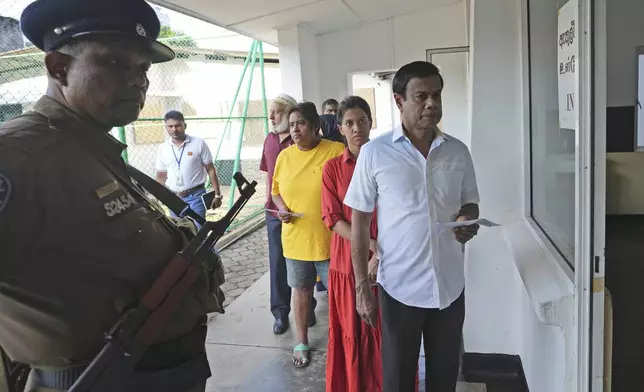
[{"x": 246, "y": 356}]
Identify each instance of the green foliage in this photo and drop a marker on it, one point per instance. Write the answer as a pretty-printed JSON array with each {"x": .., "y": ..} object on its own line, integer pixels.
[{"x": 176, "y": 38}]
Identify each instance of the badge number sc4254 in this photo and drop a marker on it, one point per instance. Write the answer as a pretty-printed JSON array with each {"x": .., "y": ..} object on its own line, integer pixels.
[{"x": 5, "y": 192}]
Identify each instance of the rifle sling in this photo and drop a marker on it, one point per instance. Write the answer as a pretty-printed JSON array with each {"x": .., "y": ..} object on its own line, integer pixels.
[{"x": 172, "y": 201}]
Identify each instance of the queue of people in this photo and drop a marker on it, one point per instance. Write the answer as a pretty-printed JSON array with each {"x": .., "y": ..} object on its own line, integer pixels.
[
  {"x": 393, "y": 280},
  {"x": 98, "y": 243}
]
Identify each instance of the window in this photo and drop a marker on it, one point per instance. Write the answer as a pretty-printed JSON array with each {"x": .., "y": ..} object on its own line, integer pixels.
[
  {"x": 640, "y": 100},
  {"x": 552, "y": 149}
]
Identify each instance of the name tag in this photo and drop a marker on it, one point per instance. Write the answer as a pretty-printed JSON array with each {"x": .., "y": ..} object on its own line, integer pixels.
[
  {"x": 120, "y": 204},
  {"x": 107, "y": 190}
]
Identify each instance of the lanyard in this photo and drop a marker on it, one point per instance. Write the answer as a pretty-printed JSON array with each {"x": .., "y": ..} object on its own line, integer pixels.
[{"x": 183, "y": 147}]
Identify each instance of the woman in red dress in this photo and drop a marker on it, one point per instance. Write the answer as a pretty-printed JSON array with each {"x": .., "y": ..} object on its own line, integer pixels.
[{"x": 353, "y": 355}]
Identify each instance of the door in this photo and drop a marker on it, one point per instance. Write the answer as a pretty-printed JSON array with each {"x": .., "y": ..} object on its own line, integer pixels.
[
  {"x": 454, "y": 66},
  {"x": 594, "y": 12},
  {"x": 590, "y": 191}
]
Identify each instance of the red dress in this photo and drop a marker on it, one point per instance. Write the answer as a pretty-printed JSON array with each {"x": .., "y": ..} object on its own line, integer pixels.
[{"x": 354, "y": 351}]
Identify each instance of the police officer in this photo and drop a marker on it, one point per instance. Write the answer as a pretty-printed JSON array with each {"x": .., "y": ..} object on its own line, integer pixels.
[{"x": 79, "y": 245}]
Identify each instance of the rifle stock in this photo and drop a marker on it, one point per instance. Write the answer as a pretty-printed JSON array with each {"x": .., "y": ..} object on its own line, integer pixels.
[{"x": 133, "y": 334}]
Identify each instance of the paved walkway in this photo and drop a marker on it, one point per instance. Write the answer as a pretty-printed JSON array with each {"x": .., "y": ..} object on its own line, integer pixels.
[
  {"x": 245, "y": 262},
  {"x": 244, "y": 353}
]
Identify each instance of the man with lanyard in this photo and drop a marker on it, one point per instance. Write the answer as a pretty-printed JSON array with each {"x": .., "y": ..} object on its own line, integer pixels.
[
  {"x": 184, "y": 163},
  {"x": 80, "y": 243},
  {"x": 419, "y": 177}
]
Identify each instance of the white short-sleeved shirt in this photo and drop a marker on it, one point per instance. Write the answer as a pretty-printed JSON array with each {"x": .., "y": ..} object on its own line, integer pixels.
[
  {"x": 419, "y": 266},
  {"x": 187, "y": 160}
]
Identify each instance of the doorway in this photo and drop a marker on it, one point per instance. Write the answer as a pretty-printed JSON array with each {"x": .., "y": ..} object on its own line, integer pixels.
[
  {"x": 453, "y": 64},
  {"x": 375, "y": 88},
  {"x": 625, "y": 228}
]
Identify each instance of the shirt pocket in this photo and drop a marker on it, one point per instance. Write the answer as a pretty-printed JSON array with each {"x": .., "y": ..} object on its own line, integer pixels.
[
  {"x": 447, "y": 183},
  {"x": 402, "y": 185}
]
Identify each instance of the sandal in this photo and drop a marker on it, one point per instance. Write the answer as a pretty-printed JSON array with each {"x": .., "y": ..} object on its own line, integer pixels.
[{"x": 304, "y": 356}]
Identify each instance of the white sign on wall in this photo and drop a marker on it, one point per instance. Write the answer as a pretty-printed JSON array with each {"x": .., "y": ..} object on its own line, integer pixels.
[{"x": 568, "y": 64}]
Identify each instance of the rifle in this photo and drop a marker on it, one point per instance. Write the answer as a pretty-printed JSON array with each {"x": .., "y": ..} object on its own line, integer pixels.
[{"x": 132, "y": 335}]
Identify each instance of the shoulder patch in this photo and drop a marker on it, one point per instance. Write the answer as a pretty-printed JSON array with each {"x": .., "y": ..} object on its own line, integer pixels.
[{"x": 5, "y": 191}]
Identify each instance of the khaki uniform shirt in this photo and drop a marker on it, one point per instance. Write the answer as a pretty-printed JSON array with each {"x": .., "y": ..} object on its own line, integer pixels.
[{"x": 77, "y": 247}]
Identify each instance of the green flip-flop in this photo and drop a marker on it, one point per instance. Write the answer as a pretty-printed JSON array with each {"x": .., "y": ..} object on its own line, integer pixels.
[{"x": 304, "y": 357}]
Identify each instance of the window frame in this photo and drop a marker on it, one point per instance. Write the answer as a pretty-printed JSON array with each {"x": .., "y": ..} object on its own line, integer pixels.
[
  {"x": 639, "y": 51},
  {"x": 568, "y": 266}
]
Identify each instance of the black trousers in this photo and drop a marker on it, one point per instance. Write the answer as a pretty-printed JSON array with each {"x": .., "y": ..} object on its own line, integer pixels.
[
  {"x": 280, "y": 290},
  {"x": 402, "y": 329}
]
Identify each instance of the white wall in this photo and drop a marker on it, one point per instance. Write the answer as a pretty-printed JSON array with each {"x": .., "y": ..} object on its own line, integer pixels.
[
  {"x": 625, "y": 32},
  {"x": 299, "y": 64},
  {"x": 290, "y": 64},
  {"x": 510, "y": 279},
  {"x": 386, "y": 44},
  {"x": 309, "y": 58}
]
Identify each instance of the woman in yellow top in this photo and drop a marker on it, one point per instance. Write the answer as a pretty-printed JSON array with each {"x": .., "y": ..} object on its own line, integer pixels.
[{"x": 297, "y": 193}]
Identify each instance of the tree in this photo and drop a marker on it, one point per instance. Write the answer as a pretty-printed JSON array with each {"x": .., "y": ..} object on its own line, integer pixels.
[{"x": 181, "y": 39}]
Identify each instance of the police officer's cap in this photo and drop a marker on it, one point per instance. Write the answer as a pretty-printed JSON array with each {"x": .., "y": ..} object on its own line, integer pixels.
[{"x": 48, "y": 24}]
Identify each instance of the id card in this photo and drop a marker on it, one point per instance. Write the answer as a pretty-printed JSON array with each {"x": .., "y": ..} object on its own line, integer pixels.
[{"x": 179, "y": 181}]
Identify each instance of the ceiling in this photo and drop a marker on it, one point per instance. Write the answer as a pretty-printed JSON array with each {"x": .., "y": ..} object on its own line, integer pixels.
[{"x": 260, "y": 19}]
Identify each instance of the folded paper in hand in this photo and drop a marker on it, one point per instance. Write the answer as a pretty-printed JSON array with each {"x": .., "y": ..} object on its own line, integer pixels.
[
  {"x": 451, "y": 225},
  {"x": 295, "y": 214}
]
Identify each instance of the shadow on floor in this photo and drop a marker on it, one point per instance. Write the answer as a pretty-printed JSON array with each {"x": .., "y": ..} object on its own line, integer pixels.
[{"x": 246, "y": 356}]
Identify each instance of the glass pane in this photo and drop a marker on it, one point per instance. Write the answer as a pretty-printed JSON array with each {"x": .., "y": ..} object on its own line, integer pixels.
[
  {"x": 552, "y": 147},
  {"x": 640, "y": 101}
]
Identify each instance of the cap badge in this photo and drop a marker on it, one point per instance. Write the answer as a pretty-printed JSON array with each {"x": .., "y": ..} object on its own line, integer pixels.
[{"x": 140, "y": 30}]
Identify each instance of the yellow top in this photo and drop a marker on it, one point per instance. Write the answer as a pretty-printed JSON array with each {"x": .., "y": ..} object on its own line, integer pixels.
[{"x": 298, "y": 179}]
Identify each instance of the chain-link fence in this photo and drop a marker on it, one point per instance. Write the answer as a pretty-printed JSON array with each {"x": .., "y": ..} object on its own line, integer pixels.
[
  {"x": 232, "y": 149},
  {"x": 221, "y": 93},
  {"x": 234, "y": 129}
]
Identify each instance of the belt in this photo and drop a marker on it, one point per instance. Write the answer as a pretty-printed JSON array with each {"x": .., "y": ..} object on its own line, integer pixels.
[
  {"x": 180, "y": 363},
  {"x": 184, "y": 377},
  {"x": 189, "y": 191}
]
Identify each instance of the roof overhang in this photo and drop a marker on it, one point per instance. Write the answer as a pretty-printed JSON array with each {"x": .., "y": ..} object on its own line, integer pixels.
[{"x": 261, "y": 20}]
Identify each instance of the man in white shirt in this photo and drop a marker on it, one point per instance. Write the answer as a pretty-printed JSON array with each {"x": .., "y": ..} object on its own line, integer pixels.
[
  {"x": 184, "y": 164},
  {"x": 419, "y": 177}
]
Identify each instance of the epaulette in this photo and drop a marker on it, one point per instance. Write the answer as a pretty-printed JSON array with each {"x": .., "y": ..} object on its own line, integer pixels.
[{"x": 29, "y": 132}]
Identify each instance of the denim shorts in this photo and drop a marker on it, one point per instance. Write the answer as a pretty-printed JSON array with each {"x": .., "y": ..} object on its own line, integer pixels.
[{"x": 302, "y": 274}]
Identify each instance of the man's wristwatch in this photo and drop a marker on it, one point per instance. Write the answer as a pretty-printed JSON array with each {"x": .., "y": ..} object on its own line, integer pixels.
[{"x": 218, "y": 197}]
